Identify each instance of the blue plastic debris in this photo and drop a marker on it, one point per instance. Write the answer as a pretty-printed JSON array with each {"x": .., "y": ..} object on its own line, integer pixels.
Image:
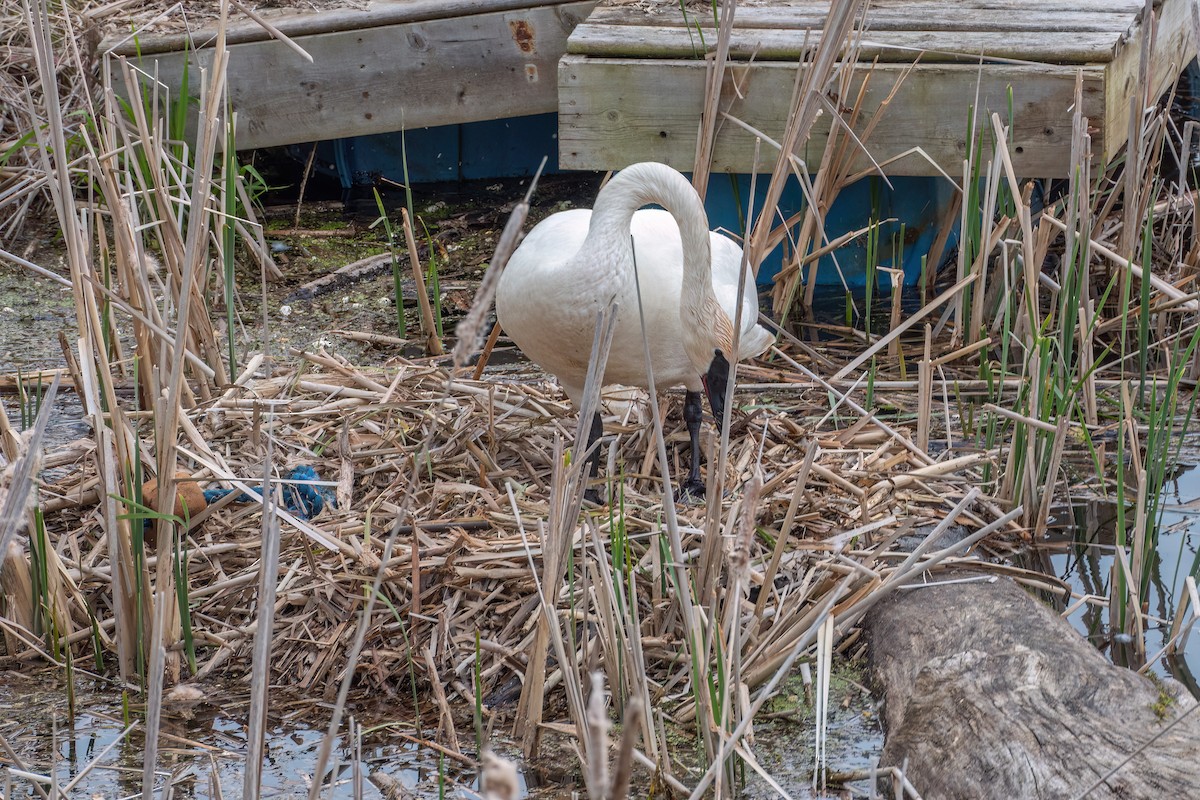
[{"x": 304, "y": 500}]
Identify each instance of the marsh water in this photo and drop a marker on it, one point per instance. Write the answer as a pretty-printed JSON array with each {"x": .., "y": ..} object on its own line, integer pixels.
[
  {"x": 202, "y": 748},
  {"x": 1080, "y": 551}
]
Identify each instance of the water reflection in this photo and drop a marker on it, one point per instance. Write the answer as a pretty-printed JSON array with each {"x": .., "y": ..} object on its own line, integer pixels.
[
  {"x": 1080, "y": 551},
  {"x": 201, "y": 749}
]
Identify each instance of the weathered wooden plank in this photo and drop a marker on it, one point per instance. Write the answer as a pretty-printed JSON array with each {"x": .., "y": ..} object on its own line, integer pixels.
[
  {"x": 635, "y": 13},
  {"x": 613, "y": 112},
  {"x": 1173, "y": 47},
  {"x": 291, "y": 23},
  {"x": 915, "y": 16},
  {"x": 439, "y": 72},
  {"x": 1017, "y": 6},
  {"x": 654, "y": 41}
]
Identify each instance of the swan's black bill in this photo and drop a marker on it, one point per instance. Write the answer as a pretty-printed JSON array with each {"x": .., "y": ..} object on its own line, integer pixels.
[{"x": 716, "y": 381}]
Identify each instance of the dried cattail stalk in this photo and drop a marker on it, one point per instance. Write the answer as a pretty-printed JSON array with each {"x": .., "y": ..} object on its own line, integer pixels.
[
  {"x": 623, "y": 771},
  {"x": 597, "y": 744},
  {"x": 470, "y": 330},
  {"x": 59, "y": 589},
  {"x": 389, "y": 787},
  {"x": 499, "y": 780},
  {"x": 739, "y": 557},
  {"x": 345, "y": 484},
  {"x": 433, "y": 345}
]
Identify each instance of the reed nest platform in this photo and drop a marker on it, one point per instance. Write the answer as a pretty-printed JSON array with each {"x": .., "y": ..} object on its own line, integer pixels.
[
  {"x": 633, "y": 83},
  {"x": 386, "y": 66},
  {"x": 464, "y": 473}
]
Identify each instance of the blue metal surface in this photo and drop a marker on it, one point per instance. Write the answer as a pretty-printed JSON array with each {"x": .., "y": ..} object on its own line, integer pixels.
[
  {"x": 509, "y": 148},
  {"x": 505, "y": 148},
  {"x": 432, "y": 155},
  {"x": 917, "y": 204}
]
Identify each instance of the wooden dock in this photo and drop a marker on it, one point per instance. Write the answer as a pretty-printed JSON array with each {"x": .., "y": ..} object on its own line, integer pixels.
[
  {"x": 398, "y": 64},
  {"x": 631, "y": 86}
]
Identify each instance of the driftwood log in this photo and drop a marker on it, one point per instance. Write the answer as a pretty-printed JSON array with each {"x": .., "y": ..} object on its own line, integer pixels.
[{"x": 989, "y": 694}]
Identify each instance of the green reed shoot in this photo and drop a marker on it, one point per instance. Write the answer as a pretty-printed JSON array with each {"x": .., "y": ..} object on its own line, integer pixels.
[
  {"x": 622, "y": 560},
  {"x": 141, "y": 516},
  {"x": 735, "y": 190},
  {"x": 664, "y": 558},
  {"x": 43, "y": 615},
  {"x": 966, "y": 412},
  {"x": 1119, "y": 592},
  {"x": 31, "y": 397},
  {"x": 872, "y": 274},
  {"x": 97, "y": 644},
  {"x": 408, "y": 195},
  {"x": 1163, "y": 428},
  {"x": 923, "y": 283},
  {"x": 179, "y": 108},
  {"x": 696, "y": 52},
  {"x": 574, "y": 595},
  {"x": 19, "y": 144},
  {"x": 620, "y": 547},
  {"x": 719, "y": 687},
  {"x": 69, "y": 665},
  {"x": 1144, "y": 315},
  {"x": 412, "y": 215},
  {"x": 408, "y": 649},
  {"x": 701, "y": 679},
  {"x": 180, "y": 566},
  {"x": 397, "y": 272},
  {"x": 972, "y": 233}
]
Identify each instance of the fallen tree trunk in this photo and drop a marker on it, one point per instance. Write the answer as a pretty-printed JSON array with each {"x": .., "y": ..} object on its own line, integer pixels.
[{"x": 989, "y": 694}]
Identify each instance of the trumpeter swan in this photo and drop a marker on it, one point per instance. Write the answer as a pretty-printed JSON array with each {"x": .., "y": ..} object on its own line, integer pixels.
[{"x": 574, "y": 263}]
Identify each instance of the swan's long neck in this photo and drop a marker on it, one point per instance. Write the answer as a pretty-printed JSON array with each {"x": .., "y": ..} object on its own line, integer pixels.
[{"x": 643, "y": 184}]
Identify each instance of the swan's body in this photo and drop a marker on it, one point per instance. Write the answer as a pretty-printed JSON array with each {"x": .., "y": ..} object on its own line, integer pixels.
[{"x": 574, "y": 263}]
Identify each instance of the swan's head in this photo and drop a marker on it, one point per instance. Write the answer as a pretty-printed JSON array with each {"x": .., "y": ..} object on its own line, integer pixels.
[
  {"x": 716, "y": 382},
  {"x": 708, "y": 339}
]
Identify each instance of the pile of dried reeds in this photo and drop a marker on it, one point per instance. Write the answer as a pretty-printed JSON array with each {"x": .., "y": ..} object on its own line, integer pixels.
[{"x": 464, "y": 473}]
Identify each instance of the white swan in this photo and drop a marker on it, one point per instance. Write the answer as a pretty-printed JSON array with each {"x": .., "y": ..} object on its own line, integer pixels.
[{"x": 573, "y": 263}]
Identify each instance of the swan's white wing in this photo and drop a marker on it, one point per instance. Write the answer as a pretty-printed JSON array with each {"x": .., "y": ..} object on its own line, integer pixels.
[
  {"x": 538, "y": 301},
  {"x": 550, "y": 243}
]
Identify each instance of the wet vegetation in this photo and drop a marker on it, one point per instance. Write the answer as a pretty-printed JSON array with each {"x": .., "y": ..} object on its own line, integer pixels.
[{"x": 392, "y": 541}]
